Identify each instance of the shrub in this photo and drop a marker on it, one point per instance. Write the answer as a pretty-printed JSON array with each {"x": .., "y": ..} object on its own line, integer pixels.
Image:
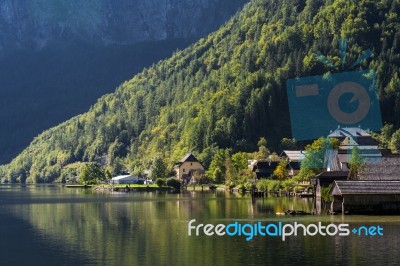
[
  {"x": 160, "y": 182},
  {"x": 288, "y": 184},
  {"x": 248, "y": 185},
  {"x": 175, "y": 183},
  {"x": 274, "y": 185},
  {"x": 242, "y": 187},
  {"x": 326, "y": 196},
  {"x": 262, "y": 185},
  {"x": 230, "y": 184}
]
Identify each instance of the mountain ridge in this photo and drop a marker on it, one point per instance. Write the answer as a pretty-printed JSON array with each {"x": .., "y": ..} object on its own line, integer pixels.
[{"x": 35, "y": 23}]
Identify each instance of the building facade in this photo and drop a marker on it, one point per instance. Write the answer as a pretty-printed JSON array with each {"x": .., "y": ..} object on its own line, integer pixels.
[{"x": 187, "y": 167}]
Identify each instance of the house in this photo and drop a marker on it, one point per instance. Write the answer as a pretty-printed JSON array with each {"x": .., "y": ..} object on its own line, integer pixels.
[
  {"x": 264, "y": 169},
  {"x": 126, "y": 179},
  {"x": 338, "y": 160},
  {"x": 295, "y": 158},
  {"x": 360, "y": 136},
  {"x": 187, "y": 167},
  {"x": 366, "y": 197}
]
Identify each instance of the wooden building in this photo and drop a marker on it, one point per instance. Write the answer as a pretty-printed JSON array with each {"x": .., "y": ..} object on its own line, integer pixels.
[
  {"x": 363, "y": 197},
  {"x": 295, "y": 158},
  {"x": 264, "y": 169},
  {"x": 325, "y": 179}
]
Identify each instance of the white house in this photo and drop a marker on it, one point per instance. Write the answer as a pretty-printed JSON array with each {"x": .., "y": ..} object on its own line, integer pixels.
[{"x": 125, "y": 179}]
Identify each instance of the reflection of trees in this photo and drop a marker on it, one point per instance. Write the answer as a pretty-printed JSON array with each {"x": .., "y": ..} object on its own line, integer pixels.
[
  {"x": 134, "y": 229},
  {"x": 272, "y": 205},
  {"x": 151, "y": 229}
]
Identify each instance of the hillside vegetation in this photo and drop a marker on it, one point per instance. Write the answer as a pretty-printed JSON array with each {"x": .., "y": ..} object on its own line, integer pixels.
[{"x": 224, "y": 92}]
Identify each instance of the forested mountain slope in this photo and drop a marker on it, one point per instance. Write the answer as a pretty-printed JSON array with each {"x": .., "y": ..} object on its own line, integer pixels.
[
  {"x": 226, "y": 90},
  {"x": 58, "y": 57}
]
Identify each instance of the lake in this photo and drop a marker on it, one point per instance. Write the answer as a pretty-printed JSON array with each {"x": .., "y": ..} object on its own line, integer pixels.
[{"x": 54, "y": 225}]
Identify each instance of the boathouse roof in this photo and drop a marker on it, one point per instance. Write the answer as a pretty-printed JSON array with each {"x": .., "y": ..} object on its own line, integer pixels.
[{"x": 365, "y": 188}]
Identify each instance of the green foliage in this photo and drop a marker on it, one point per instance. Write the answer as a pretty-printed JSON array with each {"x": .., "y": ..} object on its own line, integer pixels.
[
  {"x": 158, "y": 169},
  {"x": 313, "y": 162},
  {"x": 175, "y": 183},
  {"x": 281, "y": 172},
  {"x": 385, "y": 136},
  {"x": 227, "y": 90},
  {"x": 91, "y": 173},
  {"x": 305, "y": 174},
  {"x": 160, "y": 182},
  {"x": 262, "y": 142},
  {"x": 356, "y": 162},
  {"x": 274, "y": 185},
  {"x": 217, "y": 169},
  {"x": 395, "y": 142},
  {"x": 231, "y": 174},
  {"x": 326, "y": 196},
  {"x": 288, "y": 144},
  {"x": 217, "y": 176},
  {"x": 389, "y": 138},
  {"x": 288, "y": 184},
  {"x": 70, "y": 172},
  {"x": 262, "y": 154},
  {"x": 248, "y": 185},
  {"x": 262, "y": 184},
  {"x": 239, "y": 161}
]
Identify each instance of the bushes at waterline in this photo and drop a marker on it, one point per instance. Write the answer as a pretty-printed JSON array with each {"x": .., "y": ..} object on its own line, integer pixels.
[
  {"x": 245, "y": 186},
  {"x": 160, "y": 182},
  {"x": 262, "y": 185},
  {"x": 175, "y": 183},
  {"x": 275, "y": 185}
]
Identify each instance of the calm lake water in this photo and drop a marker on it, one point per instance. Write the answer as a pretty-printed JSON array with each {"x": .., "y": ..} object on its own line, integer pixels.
[{"x": 53, "y": 225}]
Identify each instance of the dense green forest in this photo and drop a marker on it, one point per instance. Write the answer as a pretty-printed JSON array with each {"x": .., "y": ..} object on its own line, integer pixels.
[
  {"x": 40, "y": 89},
  {"x": 224, "y": 92}
]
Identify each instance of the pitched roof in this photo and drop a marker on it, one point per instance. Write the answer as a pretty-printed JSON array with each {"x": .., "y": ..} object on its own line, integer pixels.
[
  {"x": 189, "y": 157},
  {"x": 334, "y": 174},
  {"x": 324, "y": 179},
  {"x": 122, "y": 177},
  {"x": 365, "y": 187},
  {"x": 370, "y": 156},
  {"x": 331, "y": 160},
  {"x": 265, "y": 165},
  {"x": 384, "y": 168},
  {"x": 295, "y": 156},
  {"x": 349, "y": 132},
  {"x": 264, "y": 168}
]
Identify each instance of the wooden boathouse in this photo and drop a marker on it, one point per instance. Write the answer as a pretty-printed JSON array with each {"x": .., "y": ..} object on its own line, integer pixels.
[{"x": 363, "y": 197}]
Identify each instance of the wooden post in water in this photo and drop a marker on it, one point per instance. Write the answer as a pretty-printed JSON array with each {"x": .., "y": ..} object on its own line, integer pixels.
[{"x": 343, "y": 206}]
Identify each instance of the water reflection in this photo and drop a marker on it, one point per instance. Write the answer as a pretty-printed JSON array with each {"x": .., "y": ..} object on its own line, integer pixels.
[{"x": 151, "y": 229}]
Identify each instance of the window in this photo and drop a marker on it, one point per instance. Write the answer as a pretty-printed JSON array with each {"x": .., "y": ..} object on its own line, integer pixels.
[{"x": 183, "y": 169}]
